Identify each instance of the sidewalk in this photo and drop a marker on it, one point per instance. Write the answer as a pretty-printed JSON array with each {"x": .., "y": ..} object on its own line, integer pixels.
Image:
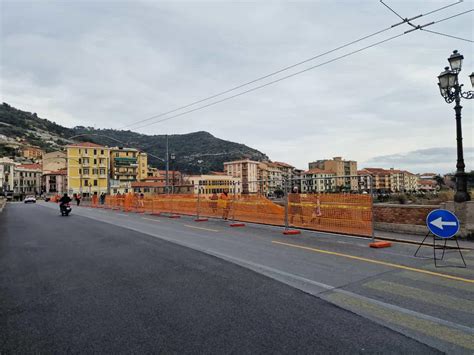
[{"x": 417, "y": 239}]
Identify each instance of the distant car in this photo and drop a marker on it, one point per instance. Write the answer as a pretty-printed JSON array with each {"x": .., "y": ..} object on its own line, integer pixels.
[{"x": 29, "y": 199}]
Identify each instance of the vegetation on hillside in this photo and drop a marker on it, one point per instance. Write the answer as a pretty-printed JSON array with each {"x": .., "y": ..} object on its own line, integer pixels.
[{"x": 188, "y": 149}]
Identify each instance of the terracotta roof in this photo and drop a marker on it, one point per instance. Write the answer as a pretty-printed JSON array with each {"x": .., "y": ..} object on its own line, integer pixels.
[
  {"x": 30, "y": 166},
  {"x": 85, "y": 145},
  {"x": 148, "y": 184}
]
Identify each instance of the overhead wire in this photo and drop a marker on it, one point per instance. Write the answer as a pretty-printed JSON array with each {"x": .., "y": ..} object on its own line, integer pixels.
[
  {"x": 298, "y": 72},
  {"x": 446, "y": 35},
  {"x": 283, "y": 69}
]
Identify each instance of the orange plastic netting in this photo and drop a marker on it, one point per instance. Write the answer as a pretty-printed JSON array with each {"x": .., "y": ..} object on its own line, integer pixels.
[{"x": 337, "y": 213}]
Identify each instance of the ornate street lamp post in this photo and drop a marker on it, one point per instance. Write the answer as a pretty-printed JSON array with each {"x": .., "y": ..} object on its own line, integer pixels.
[{"x": 451, "y": 90}]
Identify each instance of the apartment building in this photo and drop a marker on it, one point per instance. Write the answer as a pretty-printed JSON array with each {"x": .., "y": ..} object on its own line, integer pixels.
[
  {"x": 387, "y": 180},
  {"x": 7, "y": 166},
  {"x": 31, "y": 152},
  {"x": 127, "y": 165},
  {"x": 380, "y": 179},
  {"x": 55, "y": 182},
  {"x": 87, "y": 168},
  {"x": 54, "y": 161},
  {"x": 270, "y": 178},
  {"x": 247, "y": 171},
  {"x": 317, "y": 180},
  {"x": 27, "y": 179},
  {"x": 216, "y": 183},
  {"x": 345, "y": 170}
]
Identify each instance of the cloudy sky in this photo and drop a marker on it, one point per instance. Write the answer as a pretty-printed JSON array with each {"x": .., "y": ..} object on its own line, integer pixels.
[{"x": 109, "y": 64}]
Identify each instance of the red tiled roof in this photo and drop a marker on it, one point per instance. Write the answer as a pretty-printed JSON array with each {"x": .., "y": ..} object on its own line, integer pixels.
[
  {"x": 31, "y": 166},
  {"x": 147, "y": 184},
  {"x": 154, "y": 178},
  {"x": 85, "y": 145}
]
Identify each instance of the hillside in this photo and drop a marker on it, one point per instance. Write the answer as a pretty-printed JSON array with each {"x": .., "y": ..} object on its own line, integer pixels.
[{"x": 16, "y": 124}]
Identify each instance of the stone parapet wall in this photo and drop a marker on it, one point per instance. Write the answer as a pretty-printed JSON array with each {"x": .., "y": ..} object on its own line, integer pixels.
[{"x": 402, "y": 214}]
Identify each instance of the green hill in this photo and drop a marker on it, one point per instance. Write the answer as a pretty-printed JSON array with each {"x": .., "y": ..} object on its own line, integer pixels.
[{"x": 188, "y": 148}]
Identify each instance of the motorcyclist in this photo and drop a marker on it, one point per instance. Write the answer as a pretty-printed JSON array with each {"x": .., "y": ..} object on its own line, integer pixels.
[{"x": 63, "y": 201}]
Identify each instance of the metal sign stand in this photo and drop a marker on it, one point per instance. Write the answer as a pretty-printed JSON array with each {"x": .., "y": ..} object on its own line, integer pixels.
[
  {"x": 444, "y": 247},
  {"x": 442, "y": 224}
]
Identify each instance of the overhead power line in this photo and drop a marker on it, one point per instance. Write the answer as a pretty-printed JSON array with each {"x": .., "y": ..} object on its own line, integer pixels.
[
  {"x": 283, "y": 69},
  {"x": 297, "y": 73},
  {"x": 446, "y": 35}
]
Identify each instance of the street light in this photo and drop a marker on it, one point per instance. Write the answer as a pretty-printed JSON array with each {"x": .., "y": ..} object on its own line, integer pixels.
[{"x": 451, "y": 91}]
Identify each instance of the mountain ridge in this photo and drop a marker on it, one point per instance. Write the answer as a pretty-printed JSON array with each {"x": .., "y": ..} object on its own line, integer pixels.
[{"x": 187, "y": 148}]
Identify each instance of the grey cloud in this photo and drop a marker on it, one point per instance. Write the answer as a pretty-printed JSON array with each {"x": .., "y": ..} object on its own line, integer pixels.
[
  {"x": 440, "y": 160},
  {"x": 108, "y": 63}
]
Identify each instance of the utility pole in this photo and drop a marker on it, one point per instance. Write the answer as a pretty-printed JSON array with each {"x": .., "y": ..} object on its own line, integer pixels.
[{"x": 167, "y": 161}]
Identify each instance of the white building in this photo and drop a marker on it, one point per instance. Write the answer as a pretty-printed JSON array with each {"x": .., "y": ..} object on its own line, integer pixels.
[
  {"x": 6, "y": 174},
  {"x": 318, "y": 180}
]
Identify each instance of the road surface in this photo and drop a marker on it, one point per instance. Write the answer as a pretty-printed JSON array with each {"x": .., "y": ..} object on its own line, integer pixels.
[{"x": 102, "y": 281}]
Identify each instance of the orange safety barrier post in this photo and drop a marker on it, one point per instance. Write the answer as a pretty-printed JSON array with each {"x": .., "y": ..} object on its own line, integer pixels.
[{"x": 94, "y": 200}]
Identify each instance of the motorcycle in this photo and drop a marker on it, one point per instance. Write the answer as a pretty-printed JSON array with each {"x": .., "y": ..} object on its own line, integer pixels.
[{"x": 65, "y": 209}]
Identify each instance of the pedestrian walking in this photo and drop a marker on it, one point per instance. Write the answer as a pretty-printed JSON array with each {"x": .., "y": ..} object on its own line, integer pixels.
[
  {"x": 224, "y": 203},
  {"x": 295, "y": 208}
]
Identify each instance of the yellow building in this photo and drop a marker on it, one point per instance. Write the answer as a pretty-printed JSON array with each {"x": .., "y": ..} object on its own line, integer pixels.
[
  {"x": 215, "y": 183},
  {"x": 87, "y": 168}
]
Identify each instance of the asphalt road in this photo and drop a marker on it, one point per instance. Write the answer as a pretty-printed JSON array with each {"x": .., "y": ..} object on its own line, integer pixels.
[{"x": 75, "y": 284}]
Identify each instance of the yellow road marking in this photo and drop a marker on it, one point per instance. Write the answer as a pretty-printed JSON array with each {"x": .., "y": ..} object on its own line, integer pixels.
[
  {"x": 397, "y": 266},
  {"x": 202, "y": 228},
  {"x": 417, "y": 294},
  {"x": 151, "y": 219},
  {"x": 443, "y": 332}
]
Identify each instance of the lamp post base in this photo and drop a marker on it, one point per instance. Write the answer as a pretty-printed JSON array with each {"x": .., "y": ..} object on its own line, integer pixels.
[{"x": 461, "y": 194}]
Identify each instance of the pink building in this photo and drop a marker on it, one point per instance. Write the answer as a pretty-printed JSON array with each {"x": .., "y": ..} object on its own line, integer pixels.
[{"x": 55, "y": 182}]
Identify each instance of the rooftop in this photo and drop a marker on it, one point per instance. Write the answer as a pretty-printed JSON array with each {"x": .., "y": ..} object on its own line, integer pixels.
[{"x": 85, "y": 145}]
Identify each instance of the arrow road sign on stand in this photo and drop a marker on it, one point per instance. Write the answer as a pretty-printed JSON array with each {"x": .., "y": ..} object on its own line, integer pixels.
[{"x": 442, "y": 223}]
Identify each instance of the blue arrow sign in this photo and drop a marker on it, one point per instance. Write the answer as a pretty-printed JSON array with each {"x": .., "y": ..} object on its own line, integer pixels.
[{"x": 442, "y": 223}]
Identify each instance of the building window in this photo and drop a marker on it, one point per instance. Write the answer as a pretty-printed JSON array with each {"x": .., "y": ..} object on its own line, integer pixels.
[
  {"x": 95, "y": 171},
  {"x": 85, "y": 150},
  {"x": 95, "y": 151},
  {"x": 86, "y": 182},
  {"x": 95, "y": 161},
  {"x": 95, "y": 182},
  {"x": 86, "y": 171}
]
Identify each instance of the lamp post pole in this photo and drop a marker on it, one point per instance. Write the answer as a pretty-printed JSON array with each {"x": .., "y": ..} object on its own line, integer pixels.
[{"x": 451, "y": 90}]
